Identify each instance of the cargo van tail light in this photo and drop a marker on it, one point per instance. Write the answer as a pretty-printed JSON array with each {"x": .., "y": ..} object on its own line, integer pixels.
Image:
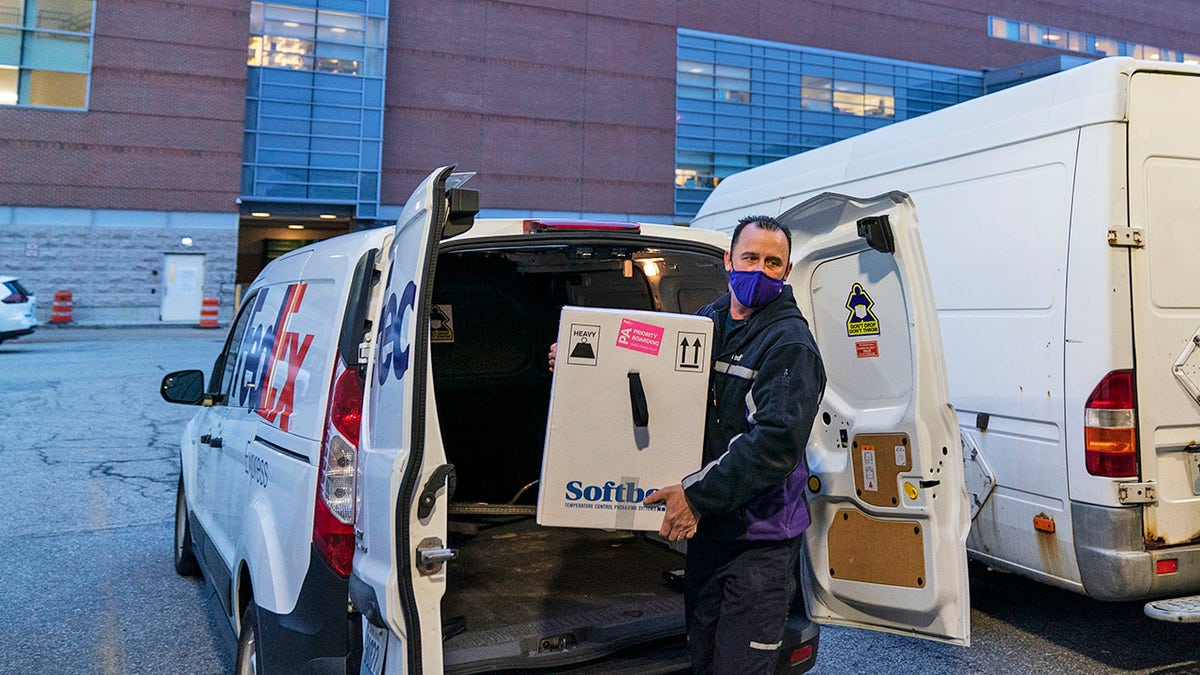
[
  {"x": 532, "y": 226},
  {"x": 333, "y": 515},
  {"x": 1110, "y": 432},
  {"x": 15, "y": 298}
]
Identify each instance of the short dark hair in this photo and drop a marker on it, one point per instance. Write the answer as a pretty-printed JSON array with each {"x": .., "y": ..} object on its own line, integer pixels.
[{"x": 765, "y": 223}]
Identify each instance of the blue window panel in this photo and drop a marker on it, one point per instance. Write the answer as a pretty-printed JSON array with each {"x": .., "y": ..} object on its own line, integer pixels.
[
  {"x": 368, "y": 187},
  {"x": 694, "y": 106},
  {"x": 282, "y": 174},
  {"x": 280, "y": 191},
  {"x": 283, "y": 157},
  {"x": 287, "y": 77},
  {"x": 281, "y": 109},
  {"x": 732, "y": 147},
  {"x": 247, "y": 180},
  {"x": 333, "y": 194},
  {"x": 249, "y": 145},
  {"x": 693, "y": 41},
  {"x": 372, "y": 94},
  {"x": 368, "y": 210},
  {"x": 335, "y": 129},
  {"x": 251, "y": 122},
  {"x": 333, "y": 177},
  {"x": 693, "y": 131},
  {"x": 271, "y": 92},
  {"x": 337, "y": 97},
  {"x": 369, "y": 156},
  {"x": 253, "y": 79},
  {"x": 357, "y": 6},
  {"x": 339, "y": 82},
  {"x": 337, "y": 113},
  {"x": 728, "y": 59},
  {"x": 699, "y": 144},
  {"x": 817, "y": 59},
  {"x": 729, "y": 133},
  {"x": 344, "y": 145},
  {"x": 372, "y": 123},
  {"x": 322, "y": 160},
  {"x": 699, "y": 118},
  {"x": 282, "y": 142},
  {"x": 284, "y": 124}
]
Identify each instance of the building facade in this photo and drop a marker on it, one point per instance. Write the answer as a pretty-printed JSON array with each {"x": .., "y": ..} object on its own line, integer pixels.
[{"x": 159, "y": 152}]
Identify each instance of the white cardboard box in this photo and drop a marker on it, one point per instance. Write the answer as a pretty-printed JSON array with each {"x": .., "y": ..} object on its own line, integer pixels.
[{"x": 602, "y": 456}]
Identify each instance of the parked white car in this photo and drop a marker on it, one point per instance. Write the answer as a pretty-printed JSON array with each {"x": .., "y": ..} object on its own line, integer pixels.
[{"x": 17, "y": 309}]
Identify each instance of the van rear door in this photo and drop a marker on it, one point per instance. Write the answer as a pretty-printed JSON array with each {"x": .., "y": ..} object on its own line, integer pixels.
[
  {"x": 1164, "y": 173},
  {"x": 887, "y": 546},
  {"x": 400, "y": 524}
]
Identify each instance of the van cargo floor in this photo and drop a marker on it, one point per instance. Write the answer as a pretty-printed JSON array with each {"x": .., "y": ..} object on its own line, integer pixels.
[{"x": 527, "y": 596}]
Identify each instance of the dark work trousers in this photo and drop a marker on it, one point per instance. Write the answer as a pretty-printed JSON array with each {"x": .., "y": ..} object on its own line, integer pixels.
[{"x": 736, "y": 596}]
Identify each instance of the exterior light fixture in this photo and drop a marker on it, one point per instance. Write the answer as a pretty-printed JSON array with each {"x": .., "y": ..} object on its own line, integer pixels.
[{"x": 260, "y": 214}]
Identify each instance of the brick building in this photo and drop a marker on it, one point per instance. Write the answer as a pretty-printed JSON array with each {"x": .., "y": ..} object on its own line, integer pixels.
[{"x": 158, "y": 152}]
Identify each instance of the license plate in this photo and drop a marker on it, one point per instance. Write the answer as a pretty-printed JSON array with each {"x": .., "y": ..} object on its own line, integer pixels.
[{"x": 374, "y": 649}]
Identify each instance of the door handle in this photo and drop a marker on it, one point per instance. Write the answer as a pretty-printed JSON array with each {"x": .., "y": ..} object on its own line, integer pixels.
[
  {"x": 443, "y": 475},
  {"x": 205, "y": 438},
  {"x": 637, "y": 400},
  {"x": 215, "y": 442}
]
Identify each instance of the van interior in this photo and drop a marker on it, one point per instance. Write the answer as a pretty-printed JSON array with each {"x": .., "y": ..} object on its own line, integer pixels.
[{"x": 520, "y": 595}]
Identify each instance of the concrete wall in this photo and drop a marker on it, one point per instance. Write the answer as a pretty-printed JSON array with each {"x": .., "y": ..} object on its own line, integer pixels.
[{"x": 112, "y": 261}]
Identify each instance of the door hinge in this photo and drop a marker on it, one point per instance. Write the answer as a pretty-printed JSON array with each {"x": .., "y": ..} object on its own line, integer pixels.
[
  {"x": 364, "y": 352},
  {"x": 1131, "y": 237},
  {"x": 1136, "y": 493},
  {"x": 431, "y": 555}
]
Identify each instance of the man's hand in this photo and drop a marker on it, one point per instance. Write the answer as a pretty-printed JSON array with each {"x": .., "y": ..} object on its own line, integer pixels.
[
  {"x": 679, "y": 522},
  {"x": 553, "y": 354}
]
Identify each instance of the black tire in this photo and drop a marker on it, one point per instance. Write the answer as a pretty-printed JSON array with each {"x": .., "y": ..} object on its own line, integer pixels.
[
  {"x": 247, "y": 648},
  {"x": 185, "y": 558}
]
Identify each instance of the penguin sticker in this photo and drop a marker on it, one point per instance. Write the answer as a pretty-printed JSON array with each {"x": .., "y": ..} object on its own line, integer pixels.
[{"x": 862, "y": 321}]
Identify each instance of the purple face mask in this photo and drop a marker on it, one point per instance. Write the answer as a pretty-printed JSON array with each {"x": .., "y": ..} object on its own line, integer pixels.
[{"x": 754, "y": 289}]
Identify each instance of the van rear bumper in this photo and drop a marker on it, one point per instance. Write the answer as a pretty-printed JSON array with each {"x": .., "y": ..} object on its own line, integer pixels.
[
  {"x": 319, "y": 636},
  {"x": 1114, "y": 563}
]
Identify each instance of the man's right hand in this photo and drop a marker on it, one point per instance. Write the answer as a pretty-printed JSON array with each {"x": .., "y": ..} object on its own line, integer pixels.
[{"x": 553, "y": 355}]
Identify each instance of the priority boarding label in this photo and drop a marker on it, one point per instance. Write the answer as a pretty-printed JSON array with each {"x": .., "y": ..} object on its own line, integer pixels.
[
  {"x": 585, "y": 340},
  {"x": 640, "y": 337},
  {"x": 862, "y": 320}
]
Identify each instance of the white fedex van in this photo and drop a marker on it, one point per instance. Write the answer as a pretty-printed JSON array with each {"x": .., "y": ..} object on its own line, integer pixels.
[
  {"x": 452, "y": 574},
  {"x": 266, "y": 497},
  {"x": 1057, "y": 218}
]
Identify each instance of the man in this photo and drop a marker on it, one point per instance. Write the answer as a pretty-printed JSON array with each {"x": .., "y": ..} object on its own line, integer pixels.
[{"x": 744, "y": 511}]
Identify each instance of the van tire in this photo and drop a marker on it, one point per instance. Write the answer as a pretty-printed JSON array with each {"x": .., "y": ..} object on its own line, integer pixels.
[
  {"x": 185, "y": 558},
  {"x": 247, "y": 647}
]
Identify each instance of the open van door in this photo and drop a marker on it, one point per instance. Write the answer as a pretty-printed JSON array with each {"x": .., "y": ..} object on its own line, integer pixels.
[
  {"x": 887, "y": 546},
  {"x": 404, "y": 480}
]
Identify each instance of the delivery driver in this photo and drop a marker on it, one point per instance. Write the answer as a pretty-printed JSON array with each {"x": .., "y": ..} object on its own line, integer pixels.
[{"x": 744, "y": 510}]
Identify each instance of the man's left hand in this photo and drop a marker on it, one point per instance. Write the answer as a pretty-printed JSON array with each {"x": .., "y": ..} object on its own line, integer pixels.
[{"x": 679, "y": 522}]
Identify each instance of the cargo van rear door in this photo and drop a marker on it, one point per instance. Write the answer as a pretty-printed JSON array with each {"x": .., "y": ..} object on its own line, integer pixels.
[
  {"x": 1164, "y": 172},
  {"x": 887, "y": 546},
  {"x": 400, "y": 523}
]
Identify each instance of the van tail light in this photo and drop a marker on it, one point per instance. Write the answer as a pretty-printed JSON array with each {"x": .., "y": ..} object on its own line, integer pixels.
[
  {"x": 15, "y": 298},
  {"x": 1109, "y": 431},
  {"x": 333, "y": 515}
]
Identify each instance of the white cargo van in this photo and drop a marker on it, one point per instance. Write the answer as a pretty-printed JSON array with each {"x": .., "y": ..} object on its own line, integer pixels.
[
  {"x": 452, "y": 574},
  {"x": 266, "y": 493},
  {"x": 1058, "y": 223}
]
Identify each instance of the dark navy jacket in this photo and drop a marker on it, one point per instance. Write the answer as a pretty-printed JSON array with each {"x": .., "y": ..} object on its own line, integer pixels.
[{"x": 766, "y": 382}]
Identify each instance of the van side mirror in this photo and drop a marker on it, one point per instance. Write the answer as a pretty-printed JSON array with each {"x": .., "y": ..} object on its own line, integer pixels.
[{"x": 183, "y": 386}]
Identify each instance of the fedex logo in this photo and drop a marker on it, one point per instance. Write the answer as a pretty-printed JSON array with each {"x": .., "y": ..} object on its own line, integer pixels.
[
  {"x": 392, "y": 355},
  {"x": 270, "y": 358}
]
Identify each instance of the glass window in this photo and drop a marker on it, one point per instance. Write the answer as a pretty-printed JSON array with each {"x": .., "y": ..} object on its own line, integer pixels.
[
  {"x": 12, "y": 12},
  {"x": 56, "y": 90},
  {"x": 67, "y": 15},
  {"x": 45, "y": 52},
  {"x": 8, "y": 85},
  {"x": 223, "y": 371}
]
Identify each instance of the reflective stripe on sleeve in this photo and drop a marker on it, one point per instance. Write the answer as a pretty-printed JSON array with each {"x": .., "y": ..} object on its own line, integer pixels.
[{"x": 735, "y": 370}]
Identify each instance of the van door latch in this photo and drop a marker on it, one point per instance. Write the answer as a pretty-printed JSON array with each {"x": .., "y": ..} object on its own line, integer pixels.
[
  {"x": 1136, "y": 493},
  {"x": 1131, "y": 237},
  {"x": 444, "y": 474},
  {"x": 431, "y": 555}
]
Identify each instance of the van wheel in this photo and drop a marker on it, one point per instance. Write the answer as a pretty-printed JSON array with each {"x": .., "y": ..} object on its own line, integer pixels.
[
  {"x": 185, "y": 557},
  {"x": 247, "y": 649}
]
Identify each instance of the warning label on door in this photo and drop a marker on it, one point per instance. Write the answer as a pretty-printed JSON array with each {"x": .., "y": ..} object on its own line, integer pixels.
[
  {"x": 870, "y": 476},
  {"x": 585, "y": 338},
  {"x": 862, "y": 321},
  {"x": 690, "y": 352},
  {"x": 441, "y": 323}
]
